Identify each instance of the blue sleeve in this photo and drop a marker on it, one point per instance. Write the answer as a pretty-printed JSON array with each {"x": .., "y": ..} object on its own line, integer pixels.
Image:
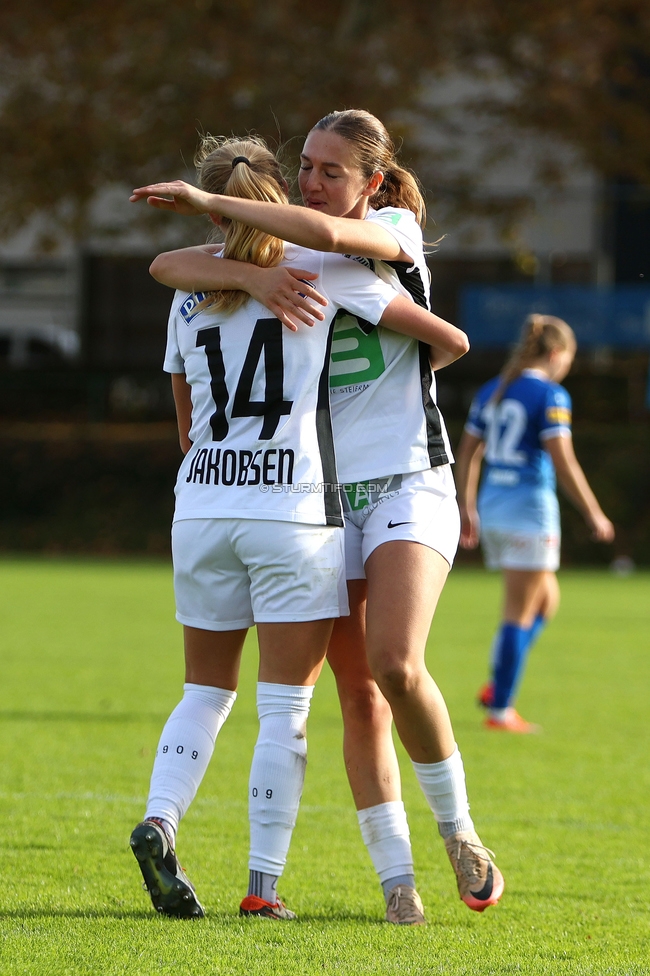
[{"x": 555, "y": 419}]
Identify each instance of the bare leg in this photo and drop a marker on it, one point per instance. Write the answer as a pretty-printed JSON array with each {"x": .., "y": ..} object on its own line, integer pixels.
[
  {"x": 405, "y": 580},
  {"x": 549, "y": 598},
  {"x": 293, "y": 654},
  {"x": 213, "y": 657},
  {"x": 526, "y": 592},
  {"x": 368, "y": 748}
]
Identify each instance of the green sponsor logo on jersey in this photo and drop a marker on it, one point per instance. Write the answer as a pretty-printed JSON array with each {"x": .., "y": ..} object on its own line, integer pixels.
[{"x": 356, "y": 357}]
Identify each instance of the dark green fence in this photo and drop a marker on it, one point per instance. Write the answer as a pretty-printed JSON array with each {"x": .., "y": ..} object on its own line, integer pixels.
[{"x": 108, "y": 488}]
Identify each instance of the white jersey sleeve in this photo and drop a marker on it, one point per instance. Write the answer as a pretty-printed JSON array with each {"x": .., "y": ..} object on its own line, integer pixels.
[
  {"x": 174, "y": 362},
  {"x": 350, "y": 286},
  {"x": 382, "y": 388},
  {"x": 411, "y": 279}
]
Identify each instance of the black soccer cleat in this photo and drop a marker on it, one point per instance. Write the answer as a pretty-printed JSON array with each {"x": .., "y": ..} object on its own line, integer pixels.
[{"x": 170, "y": 890}]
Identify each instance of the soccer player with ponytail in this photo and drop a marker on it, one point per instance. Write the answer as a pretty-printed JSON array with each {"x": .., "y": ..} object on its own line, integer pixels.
[
  {"x": 520, "y": 424},
  {"x": 257, "y": 535},
  {"x": 393, "y": 456}
]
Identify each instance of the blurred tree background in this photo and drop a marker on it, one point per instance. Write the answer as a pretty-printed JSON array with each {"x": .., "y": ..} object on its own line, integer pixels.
[
  {"x": 95, "y": 94},
  {"x": 98, "y": 97}
]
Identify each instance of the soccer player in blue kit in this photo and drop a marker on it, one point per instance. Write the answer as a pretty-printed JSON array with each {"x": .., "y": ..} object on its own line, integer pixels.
[{"x": 520, "y": 424}]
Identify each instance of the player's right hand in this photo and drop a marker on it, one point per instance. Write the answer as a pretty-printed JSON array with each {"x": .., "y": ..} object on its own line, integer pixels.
[
  {"x": 470, "y": 530},
  {"x": 289, "y": 294},
  {"x": 185, "y": 198},
  {"x": 602, "y": 530}
]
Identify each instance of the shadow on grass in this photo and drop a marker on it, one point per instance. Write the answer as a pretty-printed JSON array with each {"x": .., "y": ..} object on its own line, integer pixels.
[
  {"x": 120, "y": 913},
  {"x": 110, "y": 717},
  {"x": 143, "y": 914}
]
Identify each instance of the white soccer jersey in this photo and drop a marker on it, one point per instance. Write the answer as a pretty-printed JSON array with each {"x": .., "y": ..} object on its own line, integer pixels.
[
  {"x": 261, "y": 430},
  {"x": 381, "y": 383}
]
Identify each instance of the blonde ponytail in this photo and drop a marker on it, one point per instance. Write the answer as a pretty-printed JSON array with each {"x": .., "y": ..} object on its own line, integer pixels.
[
  {"x": 247, "y": 169},
  {"x": 540, "y": 335}
]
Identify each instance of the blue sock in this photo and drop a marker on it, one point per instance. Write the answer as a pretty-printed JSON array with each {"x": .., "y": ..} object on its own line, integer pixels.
[
  {"x": 512, "y": 644},
  {"x": 536, "y": 628}
]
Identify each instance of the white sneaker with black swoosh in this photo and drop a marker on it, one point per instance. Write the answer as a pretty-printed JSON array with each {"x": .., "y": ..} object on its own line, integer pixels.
[{"x": 480, "y": 883}]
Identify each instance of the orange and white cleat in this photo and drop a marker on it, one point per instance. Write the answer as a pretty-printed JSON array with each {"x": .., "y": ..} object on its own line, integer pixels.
[
  {"x": 252, "y": 905},
  {"x": 512, "y": 722}
]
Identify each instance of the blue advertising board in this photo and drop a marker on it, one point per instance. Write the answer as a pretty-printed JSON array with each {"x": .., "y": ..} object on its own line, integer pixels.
[{"x": 617, "y": 317}]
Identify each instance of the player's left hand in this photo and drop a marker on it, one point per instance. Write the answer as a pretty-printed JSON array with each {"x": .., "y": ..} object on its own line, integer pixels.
[{"x": 185, "y": 198}]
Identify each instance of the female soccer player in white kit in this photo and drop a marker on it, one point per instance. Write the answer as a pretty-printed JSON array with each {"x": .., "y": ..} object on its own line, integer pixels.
[
  {"x": 402, "y": 521},
  {"x": 520, "y": 423},
  {"x": 257, "y": 532}
]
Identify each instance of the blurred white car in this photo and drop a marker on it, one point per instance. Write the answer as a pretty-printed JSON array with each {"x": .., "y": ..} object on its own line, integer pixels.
[{"x": 38, "y": 344}]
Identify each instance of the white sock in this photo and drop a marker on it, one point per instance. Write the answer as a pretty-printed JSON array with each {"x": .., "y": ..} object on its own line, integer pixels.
[
  {"x": 277, "y": 773},
  {"x": 385, "y": 833},
  {"x": 185, "y": 749},
  {"x": 443, "y": 784}
]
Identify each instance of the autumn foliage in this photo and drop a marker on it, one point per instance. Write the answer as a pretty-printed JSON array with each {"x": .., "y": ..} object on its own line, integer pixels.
[{"x": 100, "y": 93}]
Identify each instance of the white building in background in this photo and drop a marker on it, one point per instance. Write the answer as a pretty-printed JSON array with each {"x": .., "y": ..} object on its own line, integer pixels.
[
  {"x": 554, "y": 234},
  {"x": 528, "y": 196}
]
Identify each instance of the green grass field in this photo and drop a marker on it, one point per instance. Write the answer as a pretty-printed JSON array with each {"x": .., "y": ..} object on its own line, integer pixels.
[{"x": 91, "y": 666}]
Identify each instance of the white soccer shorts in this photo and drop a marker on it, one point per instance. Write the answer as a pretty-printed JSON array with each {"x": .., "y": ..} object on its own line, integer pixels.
[
  {"x": 530, "y": 551},
  {"x": 416, "y": 507},
  {"x": 232, "y": 573}
]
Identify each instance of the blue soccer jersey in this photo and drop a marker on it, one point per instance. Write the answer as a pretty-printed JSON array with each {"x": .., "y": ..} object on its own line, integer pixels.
[{"x": 517, "y": 492}]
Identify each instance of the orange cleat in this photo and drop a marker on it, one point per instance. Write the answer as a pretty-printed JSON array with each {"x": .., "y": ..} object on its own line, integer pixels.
[
  {"x": 512, "y": 722},
  {"x": 252, "y": 905},
  {"x": 485, "y": 696}
]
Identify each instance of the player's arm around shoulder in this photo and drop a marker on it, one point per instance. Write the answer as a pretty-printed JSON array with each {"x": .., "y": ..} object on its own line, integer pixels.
[
  {"x": 447, "y": 342},
  {"x": 575, "y": 485},
  {"x": 288, "y": 293}
]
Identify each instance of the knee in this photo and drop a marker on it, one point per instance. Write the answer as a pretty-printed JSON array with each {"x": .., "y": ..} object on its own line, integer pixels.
[
  {"x": 363, "y": 703},
  {"x": 396, "y": 678}
]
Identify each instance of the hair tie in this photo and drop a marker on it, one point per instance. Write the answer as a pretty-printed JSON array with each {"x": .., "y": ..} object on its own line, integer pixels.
[{"x": 240, "y": 159}]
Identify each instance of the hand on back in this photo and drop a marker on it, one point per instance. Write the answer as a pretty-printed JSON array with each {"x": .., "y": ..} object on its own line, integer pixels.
[{"x": 289, "y": 294}]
